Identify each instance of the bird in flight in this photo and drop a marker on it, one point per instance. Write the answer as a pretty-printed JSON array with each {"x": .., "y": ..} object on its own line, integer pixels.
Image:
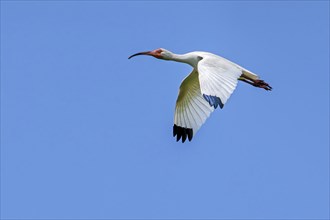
[{"x": 207, "y": 87}]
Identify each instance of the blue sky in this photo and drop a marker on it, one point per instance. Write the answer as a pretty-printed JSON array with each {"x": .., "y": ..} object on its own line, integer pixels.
[{"x": 87, "y": 133}]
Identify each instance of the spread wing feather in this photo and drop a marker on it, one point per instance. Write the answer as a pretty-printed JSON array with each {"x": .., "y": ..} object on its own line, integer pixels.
[
  {"x": 191, "y": 109},
  {"x": 218, "y": 80}
]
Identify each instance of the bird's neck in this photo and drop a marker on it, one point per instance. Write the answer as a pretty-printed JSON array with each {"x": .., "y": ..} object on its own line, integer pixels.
[{"x": 185, "y": 58}]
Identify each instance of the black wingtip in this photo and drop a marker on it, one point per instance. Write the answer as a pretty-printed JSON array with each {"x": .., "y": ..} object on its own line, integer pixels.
[
  {"x": 190, "y": 134},
  {"x": 182, "y": 133}
]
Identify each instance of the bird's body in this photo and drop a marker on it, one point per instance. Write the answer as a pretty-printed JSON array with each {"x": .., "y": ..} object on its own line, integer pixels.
[{"x": 208, "y": 86}]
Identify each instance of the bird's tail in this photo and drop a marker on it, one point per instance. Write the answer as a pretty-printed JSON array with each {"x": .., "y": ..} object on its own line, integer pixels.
[{"x": 250, "y": 74}]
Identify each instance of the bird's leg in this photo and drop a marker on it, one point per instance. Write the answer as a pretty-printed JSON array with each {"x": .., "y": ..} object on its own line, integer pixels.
[{"x": 255, "y": 82}]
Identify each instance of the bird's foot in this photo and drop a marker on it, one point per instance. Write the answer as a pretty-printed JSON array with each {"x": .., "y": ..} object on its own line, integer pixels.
[{"x": 261, "y": 84}]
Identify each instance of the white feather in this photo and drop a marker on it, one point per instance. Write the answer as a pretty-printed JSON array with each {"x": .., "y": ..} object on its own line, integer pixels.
[
  {"x": 217, "y": 76},
  {"x": 190, "y": 105}
]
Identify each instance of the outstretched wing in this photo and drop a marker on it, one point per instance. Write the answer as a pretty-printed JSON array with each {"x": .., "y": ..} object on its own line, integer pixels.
[
  {"x": 191, "y": 109},
  {"x": 218, "y": 79}
]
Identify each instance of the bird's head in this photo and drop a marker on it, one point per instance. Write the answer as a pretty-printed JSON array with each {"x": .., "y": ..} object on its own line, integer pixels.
[{"x": 158, "y": 53}]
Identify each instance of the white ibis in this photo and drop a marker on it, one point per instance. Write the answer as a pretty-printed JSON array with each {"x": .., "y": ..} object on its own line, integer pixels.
[{"x": 208, "y": 86}]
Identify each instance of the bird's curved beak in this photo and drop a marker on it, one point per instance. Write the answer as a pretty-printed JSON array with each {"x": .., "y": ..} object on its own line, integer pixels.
[
  {"x": 142, "y": 53},
  {"x": 155, "y": 53}
]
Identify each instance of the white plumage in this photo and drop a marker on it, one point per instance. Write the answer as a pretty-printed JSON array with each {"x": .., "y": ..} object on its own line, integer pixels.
[
  {"x": 191, "y": 110},
  {"x": 208, "y": 86}
]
